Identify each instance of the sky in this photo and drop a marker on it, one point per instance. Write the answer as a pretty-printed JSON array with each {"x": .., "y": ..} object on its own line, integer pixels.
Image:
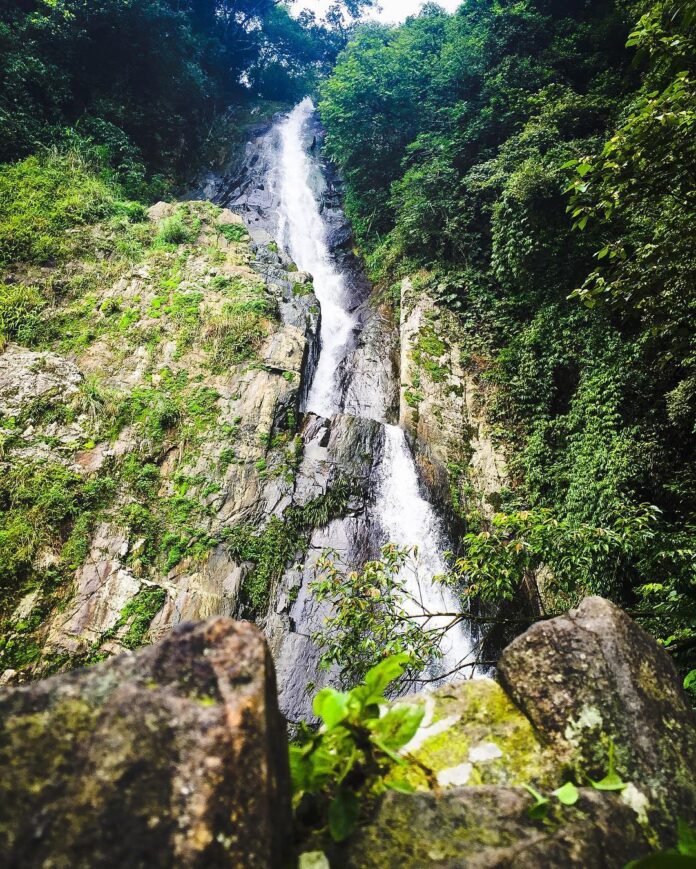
[{"x": 392, "y": 10}]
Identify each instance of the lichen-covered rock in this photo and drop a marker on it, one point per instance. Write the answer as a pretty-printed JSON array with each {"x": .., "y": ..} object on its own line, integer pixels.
[
  {"x": 174, "y": 756},
  {"x": 27, "y": 377},
  {"x": 592, "y": 678},
  {"x": 168, "y": 419},
  {"x": 487, "y": 827},
  {"x": 473, "y": 734}
]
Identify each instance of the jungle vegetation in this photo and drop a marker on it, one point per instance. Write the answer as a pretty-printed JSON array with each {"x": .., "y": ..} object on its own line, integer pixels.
[{"x": 532, "y": 163}]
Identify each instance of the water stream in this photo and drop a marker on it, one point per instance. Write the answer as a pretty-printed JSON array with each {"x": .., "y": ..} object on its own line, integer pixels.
[
  {"x": 302, "y": 233},
  {"x": 401, "y": 513}
]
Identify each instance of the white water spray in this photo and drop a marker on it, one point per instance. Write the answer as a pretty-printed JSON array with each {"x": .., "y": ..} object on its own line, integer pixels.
[
  {"x": 409, "y": 521},
  {"x": 303, "y": 235}
]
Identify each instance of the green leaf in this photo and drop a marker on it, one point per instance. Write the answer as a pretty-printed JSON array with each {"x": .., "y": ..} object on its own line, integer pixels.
[
  {"x": 331, "y": 706},
  {"x": 314, "y": 860},
  {"x": 381, "y": 676},
  {"x": 540, "y": 809},
  {"x": 690, "y": 680},
  {"x": 567, "y": 794},
  {"x": 401, "y": 787},
  {"x": 686, "y": 838},
  {"x": 398, "y": 726},
  {"x": 583, "y": 169},
  {"x": 344, "y": 812},
  {"x": 610, "y": 782}
]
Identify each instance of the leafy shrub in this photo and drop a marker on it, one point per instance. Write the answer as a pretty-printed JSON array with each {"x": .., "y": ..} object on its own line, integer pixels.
[
  {"x": 41, "y": 198},
  {"x": 369, "y": 616},
  {"x": 233, "y": 232},
  {"x": 338, "y": 771},
  {"x": 178, "y": 229}
]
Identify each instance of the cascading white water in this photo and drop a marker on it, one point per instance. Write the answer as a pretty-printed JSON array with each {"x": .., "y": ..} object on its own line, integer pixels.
[
  {"x": 408, "y": 521},
  {"x": 405, "y": 518},
  {"x": 303, "y": 235}
]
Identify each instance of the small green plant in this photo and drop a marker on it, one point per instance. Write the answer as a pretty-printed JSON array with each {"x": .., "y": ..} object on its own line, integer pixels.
[
  {"x": 681, "y": 857},
  {"x": 177, "y": 230},
  {"x": 568, "y": 794},
  {"x": 233, "y": 232},
  {"x": 340, "y": 769},
  {"x": 369, "y": 615},
  {"x": 21, "y": 318}
]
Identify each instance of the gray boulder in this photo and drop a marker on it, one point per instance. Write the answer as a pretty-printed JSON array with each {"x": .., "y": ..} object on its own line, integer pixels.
[
  {"x": 174, "y": 756},
  {"x": 592, "y": 678}
]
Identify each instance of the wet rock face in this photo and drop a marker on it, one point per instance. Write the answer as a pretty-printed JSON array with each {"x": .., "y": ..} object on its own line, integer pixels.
[
  {"x": 371, "y": 376},
  {"x": 174, "y": 756},
  {"x": 343, "y": 450},
  {"x": 593, "y": 677}
]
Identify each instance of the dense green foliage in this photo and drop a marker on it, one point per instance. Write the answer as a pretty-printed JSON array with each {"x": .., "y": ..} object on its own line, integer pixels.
[
  {"x": 524, "y": 159},
  {"x": 338, "y": 770},
  {"x": 143, "y": 86}
]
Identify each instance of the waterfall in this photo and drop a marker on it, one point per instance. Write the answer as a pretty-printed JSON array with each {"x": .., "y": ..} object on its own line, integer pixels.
[
  {"x": 302, "y": 234},
  {"x": 399, "y": 510},
  {"x": 408, "y": 520}
]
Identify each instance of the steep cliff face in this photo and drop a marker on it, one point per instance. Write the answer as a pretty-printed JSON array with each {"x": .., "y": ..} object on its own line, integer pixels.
[
  {"x": 443, "y": 406},
  {"x": 161, "y": 431}
]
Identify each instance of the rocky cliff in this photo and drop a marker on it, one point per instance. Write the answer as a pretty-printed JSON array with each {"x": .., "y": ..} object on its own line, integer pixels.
[{"x": 155, "y": 442}]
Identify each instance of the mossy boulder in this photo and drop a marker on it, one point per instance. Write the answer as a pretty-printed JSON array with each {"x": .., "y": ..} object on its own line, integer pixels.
[
  {"x": 578, "y": 696},
  {"x": 174, "y": 756},
  {"x": 473, "y": 734},
  {"x": 592, "y": 679},
  {"x": 490, "y": 827}
]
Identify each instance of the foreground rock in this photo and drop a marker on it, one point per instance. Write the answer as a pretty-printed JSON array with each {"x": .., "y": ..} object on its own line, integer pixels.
[
  {"x": 486, "y": 827},
  {"x": 593, "y": 678},
  {"x": 174, "y": 756},
  {"x": 569, "y": 689}
]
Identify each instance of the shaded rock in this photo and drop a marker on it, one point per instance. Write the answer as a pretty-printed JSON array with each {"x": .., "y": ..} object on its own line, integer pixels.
[
  {"x": 487, "y": 827},
  {"x": 344, "y": 449},
  {"x": 371, "y": 373},
  {"x": 592, "y": 677},
  {"x": 174, "y": 756}
]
